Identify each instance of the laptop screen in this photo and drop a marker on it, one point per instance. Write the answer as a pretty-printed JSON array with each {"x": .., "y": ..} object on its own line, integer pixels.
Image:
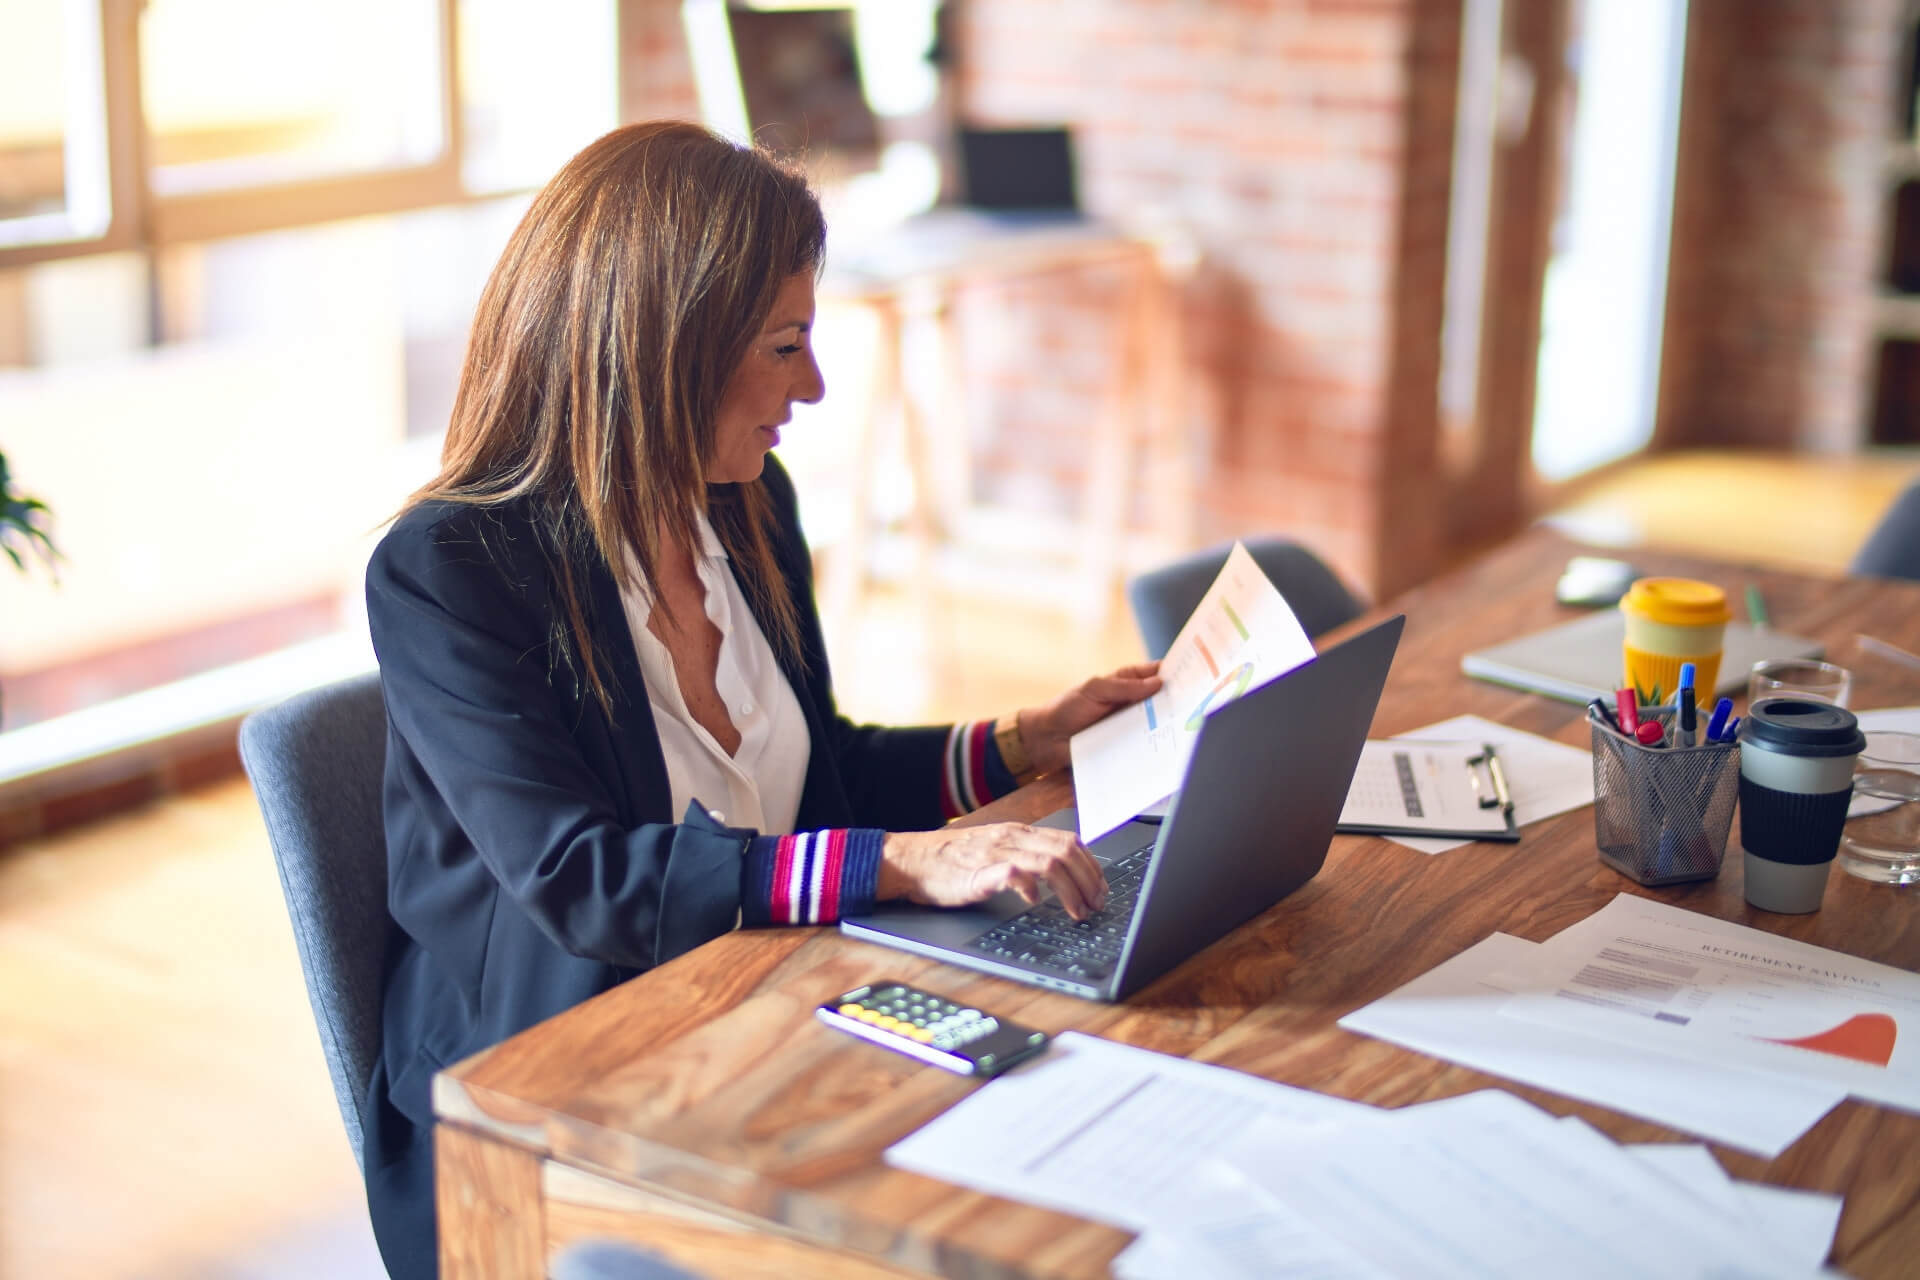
[{"x": 1018, "y": 170}]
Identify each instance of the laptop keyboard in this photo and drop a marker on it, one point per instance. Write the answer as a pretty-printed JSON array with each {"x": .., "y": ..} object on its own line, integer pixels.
[{"x": 1087, "y": 950}]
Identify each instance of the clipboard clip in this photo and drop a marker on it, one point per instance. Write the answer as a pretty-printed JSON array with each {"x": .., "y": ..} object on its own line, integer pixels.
[{"x": 1496, "y": 793}]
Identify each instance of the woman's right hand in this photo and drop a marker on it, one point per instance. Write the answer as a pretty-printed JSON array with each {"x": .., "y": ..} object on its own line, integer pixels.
[{"x": 955, "y": 866}]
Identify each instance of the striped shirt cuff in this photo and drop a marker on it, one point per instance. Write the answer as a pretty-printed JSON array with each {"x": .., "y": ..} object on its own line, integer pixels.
[
  {"x": 972, "y": 771},
  {"x": 814, "y": 877}
]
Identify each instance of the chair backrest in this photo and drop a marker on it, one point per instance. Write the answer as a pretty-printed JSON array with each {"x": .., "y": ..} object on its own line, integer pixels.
[
  {"x": 1163, "y": 598},
  {"x": 1892, "y": 550},
  {"x": 315, "y": 761}
]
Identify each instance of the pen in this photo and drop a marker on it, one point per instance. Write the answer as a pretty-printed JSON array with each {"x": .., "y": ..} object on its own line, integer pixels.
[
  {"x": 1756, "y": 607},
  {"x": 1892, "y": 652},
  {"x": 1650, "y": 734},
  {"x": 1624, "y": 699},
  {"x": 1598, "y": 710},
  {"x": 1688, "y": 710},
  {"x": 1717, "y": 722}
]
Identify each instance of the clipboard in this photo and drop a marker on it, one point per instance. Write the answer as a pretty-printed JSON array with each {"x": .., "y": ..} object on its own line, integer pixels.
[{"x": 1453, "y": 790}]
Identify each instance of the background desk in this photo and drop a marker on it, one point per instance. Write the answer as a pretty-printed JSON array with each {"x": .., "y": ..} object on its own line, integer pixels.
[
  {"x": 700, "y": 1108},
  {"x": 911, "y": 279}
]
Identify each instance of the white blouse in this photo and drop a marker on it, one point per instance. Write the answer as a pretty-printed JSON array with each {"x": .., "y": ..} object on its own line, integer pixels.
[{"x": 759, "y": 785}]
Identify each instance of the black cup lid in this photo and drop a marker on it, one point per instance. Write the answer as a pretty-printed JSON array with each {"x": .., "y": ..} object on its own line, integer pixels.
[{"x": 1799, "y": 727}]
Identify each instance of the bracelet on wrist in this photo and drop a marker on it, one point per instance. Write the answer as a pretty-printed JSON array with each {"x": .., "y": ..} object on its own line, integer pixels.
[{"x": 1013, "y": 749}]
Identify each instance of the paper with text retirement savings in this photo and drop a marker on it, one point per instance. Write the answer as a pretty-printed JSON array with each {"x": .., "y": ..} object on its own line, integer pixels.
[{"x": 1242, "y": 634}]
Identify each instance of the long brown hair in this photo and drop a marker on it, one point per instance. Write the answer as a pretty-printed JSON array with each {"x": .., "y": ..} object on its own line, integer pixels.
[{"x": 605, "y": 336}]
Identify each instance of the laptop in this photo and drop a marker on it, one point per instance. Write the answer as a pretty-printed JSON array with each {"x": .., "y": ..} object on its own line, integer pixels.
[
  {"x": 1018, "y": 176},
  {"x": 1250, "y": 824}
]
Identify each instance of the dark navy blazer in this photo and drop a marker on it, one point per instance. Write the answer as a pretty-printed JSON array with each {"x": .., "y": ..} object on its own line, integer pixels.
[{"x": 533, "y": 858}]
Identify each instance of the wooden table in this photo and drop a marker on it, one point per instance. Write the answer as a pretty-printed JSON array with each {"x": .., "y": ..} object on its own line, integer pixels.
[{"x": 701, "y": 1110}]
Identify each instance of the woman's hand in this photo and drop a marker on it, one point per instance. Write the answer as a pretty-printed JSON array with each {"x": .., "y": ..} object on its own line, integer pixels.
[
  {"x": 959, "y": 865},
  {"x": 1045, "y": 730}
]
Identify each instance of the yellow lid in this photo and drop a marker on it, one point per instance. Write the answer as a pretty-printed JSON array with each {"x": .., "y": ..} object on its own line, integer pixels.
[{"x": 1678, "y": 602}]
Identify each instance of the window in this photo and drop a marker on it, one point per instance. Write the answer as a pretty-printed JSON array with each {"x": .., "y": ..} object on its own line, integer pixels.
[
  {"x": 55, "y": 186},
  {"x": 240, "y": 245}
]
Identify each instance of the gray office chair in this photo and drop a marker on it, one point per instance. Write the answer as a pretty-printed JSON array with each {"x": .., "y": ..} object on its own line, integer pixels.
[
  {"x": 1163, "y": 598},
  {"x": 315, "y": 762},
  {"x": 1892, "y": 550}
]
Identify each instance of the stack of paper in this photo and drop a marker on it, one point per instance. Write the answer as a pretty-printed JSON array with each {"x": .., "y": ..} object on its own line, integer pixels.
[
  {"x": 1225, "y": 1175},
  {"x": 1712, "y": 1028}
]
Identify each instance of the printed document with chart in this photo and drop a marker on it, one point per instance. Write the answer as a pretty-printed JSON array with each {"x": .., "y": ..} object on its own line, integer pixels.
[
  {"x": 1654, "y": 975},
  {"x": 1241, "y": 634}
]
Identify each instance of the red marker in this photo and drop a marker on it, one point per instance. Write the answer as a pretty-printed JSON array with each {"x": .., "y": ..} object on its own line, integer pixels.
[
  {"x": 1649, "y": 733},
  {"x": 1629, "y": 710}
]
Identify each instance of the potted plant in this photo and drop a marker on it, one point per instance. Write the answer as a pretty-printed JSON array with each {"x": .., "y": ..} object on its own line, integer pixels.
[{"x": 23, "y": 524}]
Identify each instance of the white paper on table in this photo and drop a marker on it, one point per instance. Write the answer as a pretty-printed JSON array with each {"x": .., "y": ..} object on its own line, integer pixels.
[
  {"x": 1546, "y": 777},
  {"x": 1104, "y": 1130},
  {"x": 1453, "y": 1012},
  {"x": 1404, "y": 783},
  {"x": 1241, "y": 635},
  {"x": 1801, "y": 1224},
  {"x": 1485, "y": 1185},
  {"x": 1725, "y": 995},
  {"x": 1222, "y": 1228}
]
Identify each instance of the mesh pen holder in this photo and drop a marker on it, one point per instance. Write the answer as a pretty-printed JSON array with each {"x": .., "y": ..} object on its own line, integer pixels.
[{"x": 1661, "y": 814}]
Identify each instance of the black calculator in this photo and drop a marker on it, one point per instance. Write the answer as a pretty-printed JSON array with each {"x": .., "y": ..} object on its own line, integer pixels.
[{"x": 922, "y": 1025}]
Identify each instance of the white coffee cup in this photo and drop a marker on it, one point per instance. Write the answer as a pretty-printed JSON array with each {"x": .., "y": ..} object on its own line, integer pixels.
[{"x": 1796, "y": 777}]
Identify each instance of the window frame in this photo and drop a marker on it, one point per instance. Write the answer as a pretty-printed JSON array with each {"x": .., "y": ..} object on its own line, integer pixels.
[{"x": 141, "y": 219}]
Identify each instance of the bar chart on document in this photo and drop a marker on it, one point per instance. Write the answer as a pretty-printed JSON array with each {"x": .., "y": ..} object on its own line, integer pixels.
[{"x": 1241, "y": 634}]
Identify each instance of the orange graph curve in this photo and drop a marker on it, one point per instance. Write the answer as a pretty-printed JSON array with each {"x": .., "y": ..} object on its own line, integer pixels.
[{"x": 1865, "y": 1037}]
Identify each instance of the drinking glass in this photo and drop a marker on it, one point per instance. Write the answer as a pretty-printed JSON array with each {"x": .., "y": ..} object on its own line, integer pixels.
[
  {"x": 1799, "y": 678},
  {"x": 1881, "y": 841}
]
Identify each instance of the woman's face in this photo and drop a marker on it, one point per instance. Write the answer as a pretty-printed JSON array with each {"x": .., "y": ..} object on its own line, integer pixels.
[{"x": 777, "y": 370}]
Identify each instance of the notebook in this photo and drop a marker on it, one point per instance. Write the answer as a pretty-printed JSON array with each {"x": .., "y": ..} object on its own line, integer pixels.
[
  {"x": 1250, "y": 824},
  {"x": 1580, "y": 660}
]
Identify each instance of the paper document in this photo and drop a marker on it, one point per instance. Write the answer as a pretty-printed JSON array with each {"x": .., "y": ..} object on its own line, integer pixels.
[
  {"x": 1645, "y": 973},
  {"x": 1547, "y": 777},
  {"x": 1485, "y": 1185},
  {"x": 1228, "y": 1176},
  {"x": 1240, "y": 635},
  {"x": 1230, "y": 1230},
  {"x": 1104, "y": 1130},
  {"x": 1454, "y": 1012},
  {"x": 1443, "y": 787},
  {"x": 1800, "y": 1224}
]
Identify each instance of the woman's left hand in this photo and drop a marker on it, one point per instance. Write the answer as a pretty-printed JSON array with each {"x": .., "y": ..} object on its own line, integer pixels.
[{"x": 1045, "y": 730}]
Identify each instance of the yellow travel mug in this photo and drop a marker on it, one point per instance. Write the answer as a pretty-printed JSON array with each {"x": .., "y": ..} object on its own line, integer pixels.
[{"x": 1670, "y": 621}]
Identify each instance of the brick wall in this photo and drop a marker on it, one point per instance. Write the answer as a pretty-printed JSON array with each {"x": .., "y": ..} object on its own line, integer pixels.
[
  {"x": 1306, "y": 144},
  {"x": 656, "y": 77},
  {"x": 1779, "y": 204}
]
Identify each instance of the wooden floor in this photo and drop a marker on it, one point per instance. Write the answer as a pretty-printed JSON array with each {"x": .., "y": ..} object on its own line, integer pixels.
[{"x": 164, "y": 1111}]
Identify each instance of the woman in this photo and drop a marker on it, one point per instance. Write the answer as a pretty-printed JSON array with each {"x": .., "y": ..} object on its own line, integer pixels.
[{"x": 606, "y": 687}]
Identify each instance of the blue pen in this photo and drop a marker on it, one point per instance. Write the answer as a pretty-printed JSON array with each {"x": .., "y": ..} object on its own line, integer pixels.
[
  {"x": 1687, "y": 720},
  {"x": 1686, "y": 675},
  {"x": 1733, "y": 729},
  {"x": 1717, "y": 722}
]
